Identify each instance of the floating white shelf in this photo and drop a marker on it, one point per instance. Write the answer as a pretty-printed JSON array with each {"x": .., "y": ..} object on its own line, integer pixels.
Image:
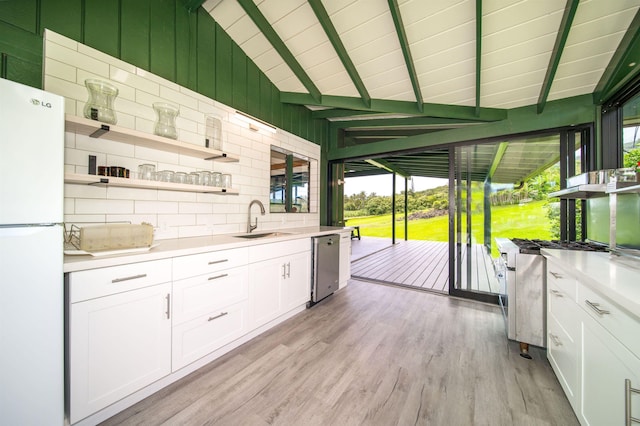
[
  {"x": 144, "y": 184},
  {"x": 581, "y": 192},
  {"x": 97, "y": 129}
]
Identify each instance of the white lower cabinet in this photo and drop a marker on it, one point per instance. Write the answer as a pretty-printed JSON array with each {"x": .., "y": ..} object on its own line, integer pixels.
[
  {"x": 606, "y": 366},
  {"x": 279, "y": 279},
  {"x": 118, "y": 344},
  {"x": 592, "y": 348},
  {"x": 345, "y": 259},
  {"x": 132, "y": 325}
]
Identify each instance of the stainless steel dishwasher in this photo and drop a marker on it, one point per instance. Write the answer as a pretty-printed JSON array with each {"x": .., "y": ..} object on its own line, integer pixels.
[{"x": 326, "y": 266}]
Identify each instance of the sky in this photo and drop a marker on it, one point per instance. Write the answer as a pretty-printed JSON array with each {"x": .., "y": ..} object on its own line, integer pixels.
[{"x": 381, "y": 184}]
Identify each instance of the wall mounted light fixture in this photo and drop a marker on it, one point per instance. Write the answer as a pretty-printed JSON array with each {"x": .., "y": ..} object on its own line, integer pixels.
[{"x": 253, "y": 123}]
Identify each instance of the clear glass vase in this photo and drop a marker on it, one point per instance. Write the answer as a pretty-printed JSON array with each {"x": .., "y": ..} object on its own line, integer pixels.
[
  {"x": 213, "y": 132},
  {"x": 166, "y": 124},
  {"x": 100, "y": 104}
]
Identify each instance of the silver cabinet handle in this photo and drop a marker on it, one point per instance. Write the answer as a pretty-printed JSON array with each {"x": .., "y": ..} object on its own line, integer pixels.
[
  {"x": 628, "y": 415},
  {"x": 596, "y": 307},
  {"x": 284, "y": 271},
  {"x": 218, "y": 316},
  {"x": 168, "y": 312},
  {"x": 133, "y": 277},
  {"x": 556, "y": 275},
  {"x": 556, "y": 293},
  {"x": 213, "y": 262},
  {"x": 555, "y": 339},
  {"x": 288, "y": 269},
  {"x": 218, "y": 276}
]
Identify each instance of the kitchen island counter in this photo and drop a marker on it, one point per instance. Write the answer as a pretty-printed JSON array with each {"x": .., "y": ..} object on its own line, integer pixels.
[
  {"x": 615, "y": 278},
  {"x": 188, "y": 246}
]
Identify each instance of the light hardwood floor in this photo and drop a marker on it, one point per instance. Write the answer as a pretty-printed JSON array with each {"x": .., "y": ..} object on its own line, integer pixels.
[{"x": 369, "y": 355}]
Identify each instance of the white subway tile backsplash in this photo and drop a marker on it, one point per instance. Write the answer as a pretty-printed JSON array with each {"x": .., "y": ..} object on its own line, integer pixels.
[
  {"x": 103, "y": 57},
  {"x": 174, "y": 96},
  {"x": 106, "y": 146},
  {"x": 60, "y": 70},
  {"x": 198, "y": 208},
  {"x": 77, "y": 59},
  {"x": 53, "y": 37},
  {"x": 172, "y": 213},
  {"x": 134, "y": 81},
  {"x": 159, "y": 207},
  {"x": 65, "y": 88},
  {"x": 87, "y": 206}
]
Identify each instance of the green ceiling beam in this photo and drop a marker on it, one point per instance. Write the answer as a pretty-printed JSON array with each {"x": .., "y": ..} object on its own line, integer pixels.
[
  {"x": 339, "y": 113},
  {"x": 561, "y": 39},
  {"x": 559, "y": 113},
  {"x": 478, "y": 52},
  {"x": 435, "y": 123},
  {"x": 406, "y": 51},
  {"x": 265, "y": 27},
  {"x": 623, "y": 66},
  {"x": 497, "y": 158},
  {"x": 385, "y": 165},
  {"x": 385, "y": 132},
  {"x": 193, "y": 5},
  {"x": 334, "y": 38},
  {"x": 398, "y": 107}
]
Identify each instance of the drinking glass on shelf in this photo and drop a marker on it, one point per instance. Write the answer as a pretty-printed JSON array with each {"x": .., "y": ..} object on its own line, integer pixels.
[
  {"x": 194, "y": 178},
  {"x": 216, "y": 179},
  {"x": 145, "y": 171},
  {"x": 165, "y": 176},
  {"x": 180, "y": 177},
  {"x": 205, "y": 178},
  {"x": 226, "y": 181}
]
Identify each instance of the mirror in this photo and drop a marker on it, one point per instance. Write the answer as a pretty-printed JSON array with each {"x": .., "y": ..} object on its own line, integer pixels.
[{"x": 289, "y": 185}]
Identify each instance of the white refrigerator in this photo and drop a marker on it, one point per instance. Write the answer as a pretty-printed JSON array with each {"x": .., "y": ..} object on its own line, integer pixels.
[{"x": 31, "y": 256}]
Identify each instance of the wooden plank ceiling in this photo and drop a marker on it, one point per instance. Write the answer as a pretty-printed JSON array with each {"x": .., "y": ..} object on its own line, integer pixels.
[{"x": 459, "y": 61}]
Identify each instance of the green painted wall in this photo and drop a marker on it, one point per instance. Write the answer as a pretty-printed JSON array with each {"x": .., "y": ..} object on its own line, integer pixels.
[{"x": 160, "y": 36}]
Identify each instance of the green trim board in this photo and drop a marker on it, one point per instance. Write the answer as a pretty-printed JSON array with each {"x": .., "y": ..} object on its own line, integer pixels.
[
  {"x": 478, "y": 52},
  {"x": 398, "y": 107},
  {"x": 334, "y": 38},
  {"x": 406, "y": 52},
  {"x": 261, "y": 22},
  {"x": 339, "y": 113},
  {"x": 623, "y": 66},
  {"x": 560, "y": 113},
  {"x": 563, "y": 33}
]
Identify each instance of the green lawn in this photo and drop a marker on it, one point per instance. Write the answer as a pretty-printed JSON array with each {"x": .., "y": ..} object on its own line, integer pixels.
[{"x": 516, "y": 221}]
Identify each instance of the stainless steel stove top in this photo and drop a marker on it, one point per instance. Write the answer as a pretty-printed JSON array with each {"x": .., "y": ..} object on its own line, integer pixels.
[{"x": 534, "y": 246}]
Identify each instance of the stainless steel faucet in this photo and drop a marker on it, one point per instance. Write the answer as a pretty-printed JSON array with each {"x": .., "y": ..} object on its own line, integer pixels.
[{"x": 251, "y": 227}]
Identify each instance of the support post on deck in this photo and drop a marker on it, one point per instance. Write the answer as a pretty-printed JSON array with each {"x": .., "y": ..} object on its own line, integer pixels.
[
  {"x": 487, "y": 213},
  {"x": 393, "y": 209},
  {"x": 406, "y": 209}
]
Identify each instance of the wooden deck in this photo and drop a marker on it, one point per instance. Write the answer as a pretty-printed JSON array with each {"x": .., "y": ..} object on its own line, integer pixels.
[{"x": 420, "y": 264}]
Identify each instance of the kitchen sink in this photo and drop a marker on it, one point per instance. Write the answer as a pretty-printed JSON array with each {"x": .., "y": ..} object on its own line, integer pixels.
[{"x": 263, "y": 235}]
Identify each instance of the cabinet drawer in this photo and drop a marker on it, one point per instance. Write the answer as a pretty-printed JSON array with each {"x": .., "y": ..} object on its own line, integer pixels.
[
  {"x": 207, "y": 263},
  {"x": 562, "y": 308},
  {"x": 100, "y": 282},
  {"x": 273, "y": 250},
  {"x": 562, "y": 280},
  {"x": 196, "y": 296},
  {"x": 199, "y": 337},
  {"x": 563, "y": 351},
  {"x": 624, "y": 327}
]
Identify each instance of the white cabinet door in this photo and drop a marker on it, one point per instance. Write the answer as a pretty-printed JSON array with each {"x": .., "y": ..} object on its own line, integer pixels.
[
  {"x": 296, "y": 284},
  {"x": 606, "y": 364},
  {"x": 345, "y": 260},
  {"x": 264, "y": 290},
  {"x": 118, "y": 345}
]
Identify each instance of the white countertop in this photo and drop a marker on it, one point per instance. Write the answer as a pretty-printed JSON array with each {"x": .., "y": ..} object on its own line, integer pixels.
[
  {"x": 615, "y": 278},
  {"x": 194, "y": 245}
]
